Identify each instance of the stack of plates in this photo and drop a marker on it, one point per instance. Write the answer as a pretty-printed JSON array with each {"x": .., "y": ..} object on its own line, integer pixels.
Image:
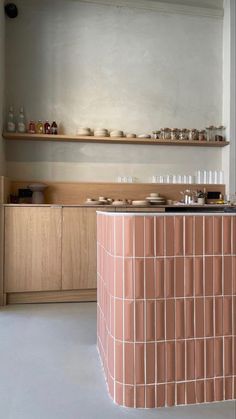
[
  {"x": 116, "y": 133},
  {"x": 154, "y": 198},
  {"x": 101, "y": 132}
]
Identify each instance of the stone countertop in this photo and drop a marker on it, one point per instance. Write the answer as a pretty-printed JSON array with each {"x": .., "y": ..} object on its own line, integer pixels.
[{"x": 206, "y": 206}]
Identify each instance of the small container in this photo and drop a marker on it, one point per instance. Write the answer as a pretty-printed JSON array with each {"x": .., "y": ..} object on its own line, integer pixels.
[
  {"x": 183, "y": 134},
  {"x": 47, "y": 128},
  {"x": 39, "y": 127},
  {"x": 211, "y": 133},
  {"x": 54, "y": 128},
  {"x": 21, "y": 126},
  {"x": 202, "y": 135},
  {"x": 193, "y": 134},
  {"x": 11, "y": 125},
  {"x": 175, "y": 134},
  {"x": 165, "y": 133},
  {"x": 32, "y": 127},
  {"x": 220, "y": 133}
]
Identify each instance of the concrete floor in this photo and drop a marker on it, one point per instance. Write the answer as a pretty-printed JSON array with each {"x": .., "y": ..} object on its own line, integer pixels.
[{"x": 49, "y": 369}]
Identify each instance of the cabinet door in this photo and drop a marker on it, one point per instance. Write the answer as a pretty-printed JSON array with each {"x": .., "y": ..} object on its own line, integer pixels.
[
  {"x": 32, "y": 249},
  {"x": 79, "y": 244}
]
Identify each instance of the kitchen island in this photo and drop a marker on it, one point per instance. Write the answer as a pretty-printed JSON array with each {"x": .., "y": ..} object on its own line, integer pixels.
[{"x": 167, "y": 307}]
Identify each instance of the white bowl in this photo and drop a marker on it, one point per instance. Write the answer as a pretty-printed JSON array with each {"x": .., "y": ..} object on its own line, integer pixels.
[{"x": 116, "y": 133}]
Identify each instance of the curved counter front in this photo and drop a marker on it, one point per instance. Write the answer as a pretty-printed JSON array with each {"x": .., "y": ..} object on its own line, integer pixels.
[{"x": 167, "y": 307}]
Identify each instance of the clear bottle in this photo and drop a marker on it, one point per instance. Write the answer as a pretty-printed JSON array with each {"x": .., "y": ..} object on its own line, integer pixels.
[
  {"x": 11, "y": 125},
  {"x": 47, "y": 128},
  {"x": 54, "y": 128},
  {"x": 21, "y": 126}
]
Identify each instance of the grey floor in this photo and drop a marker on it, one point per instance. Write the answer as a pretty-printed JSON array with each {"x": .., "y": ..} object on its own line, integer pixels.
[{"x": 49, "y": 369}]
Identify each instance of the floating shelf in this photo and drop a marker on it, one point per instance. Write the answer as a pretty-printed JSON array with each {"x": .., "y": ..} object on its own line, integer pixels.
[{"x": 109, "y": 140}]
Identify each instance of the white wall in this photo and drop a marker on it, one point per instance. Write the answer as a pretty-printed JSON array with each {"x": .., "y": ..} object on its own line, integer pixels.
[
  {"x": 2, "y": 49},
  {"x": 94, "y": 65}
]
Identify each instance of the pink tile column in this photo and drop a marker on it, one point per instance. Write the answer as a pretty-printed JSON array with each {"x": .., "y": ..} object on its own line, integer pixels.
[{"x": 166, "y": 313}]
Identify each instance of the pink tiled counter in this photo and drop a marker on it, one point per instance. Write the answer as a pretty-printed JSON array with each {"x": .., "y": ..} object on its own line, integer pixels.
[{"x": 167, "y": 307}]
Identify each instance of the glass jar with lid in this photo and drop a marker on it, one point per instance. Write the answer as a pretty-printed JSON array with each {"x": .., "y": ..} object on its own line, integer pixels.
[
  {"x": 193, "y": 134},
  {"x": 183, "y": 134},
  {"x": 174, "y": 134},
  {"x": 211, "y": 130},
  {"x": 220, "y": 133},
  {"x": 202, "y": 135}
]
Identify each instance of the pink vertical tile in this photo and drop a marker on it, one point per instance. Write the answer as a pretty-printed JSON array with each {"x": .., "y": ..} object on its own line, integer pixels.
[
  {"x": 150, "y": 396},
  {"x": 178, "y": 236},
  {"x": 170, "y": 319},
  {"x": 199, "y": 317},
  {"x": 234, "y": 392},
  {"x": 119, "y": 236},
  {"x": 119, "y": 319},
  {"x": 112, "y": 232},
  {"x": 219, "y": 389},
  {"x": 161, "y": 395},
  {"x": 149, "y": 278},
  {"x": 218, "y": 357},
  {"x": 129, "y": 236},
  {"x": 118, "y": 262},
  {"x": 139, "y": 278},
  {"x": 160, "y": 320},
  {"x": 129, "y": 363},
  {"x": 180, "y": 360},
  {"x": 200, "y": 391},
  {"x": 170, "y": 394},
  {"x": 129, "y": 396},
  {"x": 140, "y": 396},
  {"x": 111, "y": 276},
  {"x": 234, "y": 355},
  {"x": 217, "y": 269},
  {"x": 198, "y": 276},
  {"x": 169, "y": 278},
  {"x": 191, "y": 392},
  {"x": 159, "y": 236},
  {"x": 139, "y": 363},
  {"x": 189, "y": 319},
  {"x": 150, "y": 320},
  {"x": 209, "y": 235},
  {"x": 209, "y": 321},
  {"x": 180, "y": 326},
  {"x": 170, "y": 361},
  {"x": 179, "y": 277},
  {"x": 150, "y": 363},
  {"x": 228, "y": 356},
  {"x": 227, "y": 316},
  {"x": 118, "y": 361},
  {"x": 226, "y": 235},
  {"x": 199, "y": 358},
  {"x": 234, "y": 272},
  {"x": 190, "y": 354},
  {"x": 111, "y": 355},
  {"x": 228, "y": 388},
  {"x": 169, "y": 234},
  {"x": 159, "y": 286},
  {"x": 188, "y": 263},
  {"x": 149, "y": 236},
  {"x": 111, "y": 325},
  {"x": 128, "y": 278},
  {"x": 189, "y": 231},
  {"x": 181, "y": 392},
  {"x": 111, "y": 386},
  {"x": 139, "y": 321},
  {"x": 228, "y": 284},
  {"x": 208, "y": 276},
  {"x": 209, "y": 391},
  {"x": 198, "y": 236},
  {"x": 217, "y": 235},
  {"x": 139, "y": 236},
  {"x": 128, "y": 321},
  {"x": 209, "y": 358},
  {"x": 161, "y": 362},
  {"x": 233, "y": 232},
  {"x": 218, "y": 316},
  {"x": 119, "y": 394}
]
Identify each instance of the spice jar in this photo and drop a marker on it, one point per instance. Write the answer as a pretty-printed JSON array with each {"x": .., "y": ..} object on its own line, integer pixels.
[
  {"x": 202, "y": 135},
  {"x": 193, "y": 134},
  {"x": 183, "y": 134},
  {"x": 220, "y": 133},
  {"x": 167, "y": 134},
  {"x": 174, "y": 134},
  {"x": 32, "y": 127},
  {"x": 211, "y": 133}
]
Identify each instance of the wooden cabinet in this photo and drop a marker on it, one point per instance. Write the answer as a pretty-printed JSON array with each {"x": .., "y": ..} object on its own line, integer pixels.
[
  {"x": 32, "y": 249},
  {"x": 79, "y": 244}
]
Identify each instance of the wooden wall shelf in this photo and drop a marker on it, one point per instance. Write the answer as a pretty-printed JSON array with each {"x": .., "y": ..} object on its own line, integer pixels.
[{"x": 111, "y": 140}]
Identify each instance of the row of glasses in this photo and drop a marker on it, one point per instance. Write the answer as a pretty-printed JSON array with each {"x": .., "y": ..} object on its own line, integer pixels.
[
  {"x": 188, "y": 179},
  {"x": 212, "y": 177}
]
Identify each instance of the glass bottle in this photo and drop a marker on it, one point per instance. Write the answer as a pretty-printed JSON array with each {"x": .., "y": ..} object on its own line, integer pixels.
[
  {"x": 32, "y": 127},
  {"x": 54, "y": 128},
  {"x": 47, "y": 128},
  {"x": 21, "y": 126},
  {"x": 11, "y": 125},
  {"x": 39, "y": 127}
]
